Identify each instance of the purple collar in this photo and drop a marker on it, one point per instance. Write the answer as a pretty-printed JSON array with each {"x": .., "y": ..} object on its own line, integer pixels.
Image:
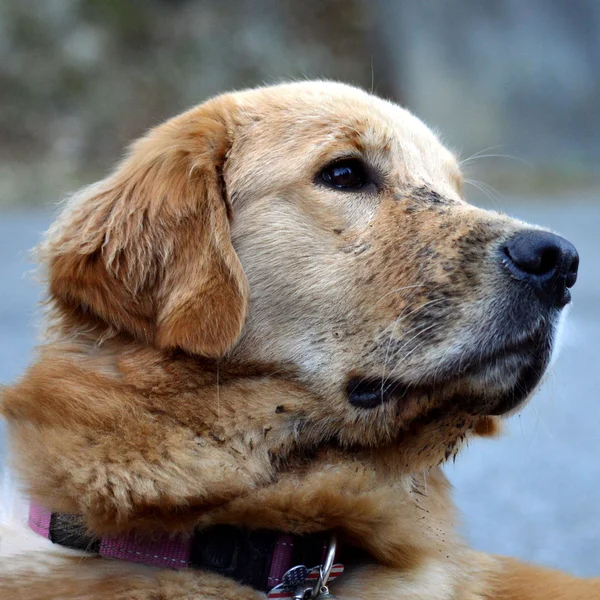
[{"x": 267, "y": 560}]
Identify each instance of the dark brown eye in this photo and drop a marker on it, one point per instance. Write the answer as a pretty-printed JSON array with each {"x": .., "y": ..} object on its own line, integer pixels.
[{"x": 349, "y": 175}]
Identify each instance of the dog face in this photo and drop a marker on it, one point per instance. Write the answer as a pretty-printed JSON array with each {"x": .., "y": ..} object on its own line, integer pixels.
[
  {"x": 367, "y": 270},
  {"x": 321, "y": 231}
]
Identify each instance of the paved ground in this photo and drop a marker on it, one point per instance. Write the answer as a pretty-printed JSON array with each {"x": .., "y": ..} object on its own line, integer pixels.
[{"x": 534, "y": 493}]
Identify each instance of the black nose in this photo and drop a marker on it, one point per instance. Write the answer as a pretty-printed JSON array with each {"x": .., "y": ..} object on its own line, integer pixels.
[{"x": 547, "y": 262}]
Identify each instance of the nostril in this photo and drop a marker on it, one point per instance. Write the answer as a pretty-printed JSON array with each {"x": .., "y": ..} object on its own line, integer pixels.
[
  {"x": 574, "y": 266},
  {"x": 548, "y": 260},
  {"x": 571, "y": 277},
  {"x": 533, "y": 259}
]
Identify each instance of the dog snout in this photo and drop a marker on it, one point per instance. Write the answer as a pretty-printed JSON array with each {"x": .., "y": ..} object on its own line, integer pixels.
[{"x": 547, "y": 262}]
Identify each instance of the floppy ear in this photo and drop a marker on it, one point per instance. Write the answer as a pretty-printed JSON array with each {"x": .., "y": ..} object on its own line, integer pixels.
[{"x": 147, "y": 250}]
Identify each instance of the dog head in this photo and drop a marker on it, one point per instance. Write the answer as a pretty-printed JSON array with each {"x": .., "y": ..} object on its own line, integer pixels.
[{"x": 321, "y": 231}]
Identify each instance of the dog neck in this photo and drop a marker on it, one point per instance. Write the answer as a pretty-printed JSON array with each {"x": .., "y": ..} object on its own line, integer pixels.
[{"x": 138, "y": 440}]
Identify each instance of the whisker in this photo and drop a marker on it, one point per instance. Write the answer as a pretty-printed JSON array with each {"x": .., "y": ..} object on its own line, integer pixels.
[
  {"x": 400, "y": 318},
  {"x": 403, "y": 359},
  {"x": 516, "y": 158},
  {"x": 400, "y": 289},
  {"x": 491, "y": 189},
  {"x": 488, "y": 149},
  {"x": 408, "y": 332},
  {"x": 487, "y": 192}
]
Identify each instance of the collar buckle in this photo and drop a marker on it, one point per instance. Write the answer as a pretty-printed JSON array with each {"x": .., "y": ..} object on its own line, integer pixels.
[
  {"x": 320, "y": 589},
  {"x": 299, "y": 583}
]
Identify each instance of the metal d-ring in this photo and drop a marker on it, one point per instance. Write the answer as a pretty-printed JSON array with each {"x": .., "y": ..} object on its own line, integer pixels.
[{"x": 325, "y": 569}]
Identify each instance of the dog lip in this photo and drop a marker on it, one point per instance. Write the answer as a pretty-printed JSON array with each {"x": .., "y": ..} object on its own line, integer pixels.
[
  {"x": 535, "y": 346},
  {"x": 524, "y": 350},
  {"x": 370, "y": 392},
  {"x": 526, "y": 384},
  {"x": 534, "y": 353}
]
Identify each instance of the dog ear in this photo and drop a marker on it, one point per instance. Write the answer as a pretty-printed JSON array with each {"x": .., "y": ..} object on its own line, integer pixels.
[{"x": 148, "y": 250}]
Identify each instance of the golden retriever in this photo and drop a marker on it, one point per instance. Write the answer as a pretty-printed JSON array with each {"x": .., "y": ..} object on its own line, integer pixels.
[{"x": 278, "y": 317}]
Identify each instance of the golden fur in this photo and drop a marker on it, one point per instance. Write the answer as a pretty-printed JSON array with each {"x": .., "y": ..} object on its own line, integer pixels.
[{"x": 208, "y": 304}]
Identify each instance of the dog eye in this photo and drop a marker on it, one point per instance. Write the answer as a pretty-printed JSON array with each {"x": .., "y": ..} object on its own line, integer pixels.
[{"x": 349, "y": 174}]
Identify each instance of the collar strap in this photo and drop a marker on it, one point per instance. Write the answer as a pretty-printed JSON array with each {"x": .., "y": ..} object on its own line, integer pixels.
[{"x": 257, "y": 558}]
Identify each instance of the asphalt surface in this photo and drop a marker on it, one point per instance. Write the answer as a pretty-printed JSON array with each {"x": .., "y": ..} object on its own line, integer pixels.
[{"x": 535, "y": 492}]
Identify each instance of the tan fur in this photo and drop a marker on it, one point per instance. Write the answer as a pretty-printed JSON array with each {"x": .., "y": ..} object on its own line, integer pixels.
[
  {"x": 148, "y": 247},
  {"x": 209, "y": 303}
]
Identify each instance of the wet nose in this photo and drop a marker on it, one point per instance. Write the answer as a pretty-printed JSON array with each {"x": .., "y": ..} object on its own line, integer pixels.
[{"x": 547, "y": 262}]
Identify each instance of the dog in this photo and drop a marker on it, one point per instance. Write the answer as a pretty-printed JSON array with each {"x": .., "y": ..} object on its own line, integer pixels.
[{"x": 267, "y": 330}]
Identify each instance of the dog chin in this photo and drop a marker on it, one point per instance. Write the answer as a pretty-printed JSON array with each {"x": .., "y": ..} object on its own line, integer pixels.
[
  {"x": 500, "y": 381},
  {"x": 493, "y": 383},
  {"x": 504, "y": 384},
  {"x": 497, "y": 386}
]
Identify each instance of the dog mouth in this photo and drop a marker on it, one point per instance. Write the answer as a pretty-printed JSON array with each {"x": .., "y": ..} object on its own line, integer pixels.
[{"x": 486, "y": 384}]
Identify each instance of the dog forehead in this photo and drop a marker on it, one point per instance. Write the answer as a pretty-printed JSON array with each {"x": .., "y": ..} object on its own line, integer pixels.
[{"x": 311, "y": 119}]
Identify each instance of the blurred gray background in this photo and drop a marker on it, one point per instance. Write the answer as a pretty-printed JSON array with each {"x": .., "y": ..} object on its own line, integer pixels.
[{"x": 513, "y": 87}]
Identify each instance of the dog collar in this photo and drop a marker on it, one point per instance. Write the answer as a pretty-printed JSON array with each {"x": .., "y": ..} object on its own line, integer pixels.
[{"x": 268, "y": 561}]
